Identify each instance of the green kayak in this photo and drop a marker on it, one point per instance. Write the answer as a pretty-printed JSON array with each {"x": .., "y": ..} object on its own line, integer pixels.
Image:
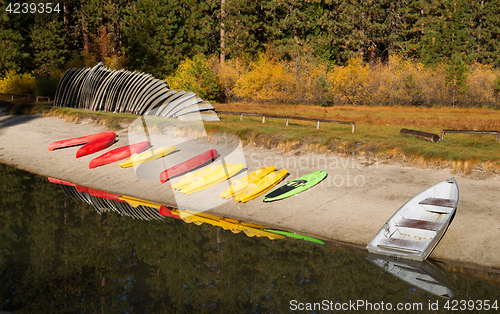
[
  {"x": 296, "y": 186},
  {"x": 296, "y": 236}
]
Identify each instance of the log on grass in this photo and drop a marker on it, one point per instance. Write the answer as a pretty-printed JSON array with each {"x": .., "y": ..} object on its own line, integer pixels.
[{"x": 431, "y": 137}]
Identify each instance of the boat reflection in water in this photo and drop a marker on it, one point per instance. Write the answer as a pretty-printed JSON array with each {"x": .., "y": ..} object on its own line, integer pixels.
[
  {"x": 424, "y": 275},
  {"x": 141, "y": 209}
]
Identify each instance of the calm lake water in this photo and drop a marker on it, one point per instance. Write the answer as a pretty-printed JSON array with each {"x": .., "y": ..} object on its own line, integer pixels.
[{"x": 59, "y": 254}]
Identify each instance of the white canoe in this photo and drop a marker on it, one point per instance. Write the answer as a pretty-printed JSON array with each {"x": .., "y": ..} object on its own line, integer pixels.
[{"x": 416, "y": 228}]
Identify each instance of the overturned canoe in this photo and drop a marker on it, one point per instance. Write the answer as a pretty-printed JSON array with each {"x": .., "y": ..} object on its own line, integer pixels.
[
  {"x": 189, "y": 164},
  {"x": 119, "y": 154},
  {"x": 416, "y": 228},
  {"x": 96, "y": 146},
  {"x": 79, "y": 140}
]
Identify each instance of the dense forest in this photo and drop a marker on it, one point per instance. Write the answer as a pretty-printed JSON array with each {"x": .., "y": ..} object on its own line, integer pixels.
[{"x": 158, "y": 36}]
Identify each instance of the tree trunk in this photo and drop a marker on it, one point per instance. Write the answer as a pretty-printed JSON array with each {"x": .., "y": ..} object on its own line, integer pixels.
[
  {"x": 85, "y": 35},
  {"x": 222, "y": 33}
]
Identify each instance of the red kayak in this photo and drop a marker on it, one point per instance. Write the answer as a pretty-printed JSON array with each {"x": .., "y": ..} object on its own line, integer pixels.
[
  {"x": 79, "y": 140},
  {"x": 190, "y": 164},
  {"x": 119, "y": 154},
  {"x": 97, "y": 145}
]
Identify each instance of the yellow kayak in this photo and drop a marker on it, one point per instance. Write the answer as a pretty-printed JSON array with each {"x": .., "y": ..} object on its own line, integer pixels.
[
  {"x": 261, "y": 186},
  {"x": 191, "y": 176},
  {"x": 214, "y": 178},
  {"x": 239, "y": 186},
  {"x": 137, "y": 159}
]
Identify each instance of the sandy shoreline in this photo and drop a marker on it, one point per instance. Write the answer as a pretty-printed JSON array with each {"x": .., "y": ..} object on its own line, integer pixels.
[{"x": 350, "y": 206}]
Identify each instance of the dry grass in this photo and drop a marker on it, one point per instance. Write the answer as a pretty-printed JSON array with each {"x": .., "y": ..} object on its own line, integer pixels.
[
  {"x": 441, "y": 118},
  {"x": 377, "y": 132}
]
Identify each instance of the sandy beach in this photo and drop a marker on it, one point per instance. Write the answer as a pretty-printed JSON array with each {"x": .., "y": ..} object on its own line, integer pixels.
[{"x": 350, "y": 206}]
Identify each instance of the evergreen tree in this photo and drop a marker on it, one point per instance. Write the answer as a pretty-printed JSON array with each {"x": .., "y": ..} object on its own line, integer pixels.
[
  {"x": 47, "y": 44},
  {"x": 446, "y": 30},
  {"x": 12, "y": 43},
  {"x": 487, "y": 32},
  {"x": 159, "y": 35}
]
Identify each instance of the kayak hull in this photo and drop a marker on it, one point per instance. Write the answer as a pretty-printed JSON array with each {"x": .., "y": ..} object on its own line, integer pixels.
[
  {"x": 119, "y": 154},
  {"x": 261, "y": 186},
  {"x": 239, "y": 186},
  {"x": 95, "y": 146},
  {"x": 79, "y": 140},
  {"x": 212, "y": 179},
  {"x": 137, "y": 159},
  {"x": 189, "y": 164}
]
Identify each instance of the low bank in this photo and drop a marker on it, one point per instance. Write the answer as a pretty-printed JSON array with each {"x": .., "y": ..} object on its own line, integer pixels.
[{"x": 350, "y": 206}]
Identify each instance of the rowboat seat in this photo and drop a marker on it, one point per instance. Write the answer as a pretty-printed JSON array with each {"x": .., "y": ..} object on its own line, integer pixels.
[
  {"x": 443, "y": 202},
  {"x": 403, "y": 245},
  {"x": 419, "y": 224},
  {"x": 439, "y": 205}
]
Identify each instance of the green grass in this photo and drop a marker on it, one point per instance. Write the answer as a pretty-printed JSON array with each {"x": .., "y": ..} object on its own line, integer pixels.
[
  {"x": 374, "y": 138},
  {"x": 453, "y": 147}
]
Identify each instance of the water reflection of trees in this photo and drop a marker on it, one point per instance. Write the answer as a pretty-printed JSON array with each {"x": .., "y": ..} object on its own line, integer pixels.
[{"x": 59, "y": 254}]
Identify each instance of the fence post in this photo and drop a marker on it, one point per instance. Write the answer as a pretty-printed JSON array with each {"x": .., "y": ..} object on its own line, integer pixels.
[
  {"x": 317, "y": 125},
  {"x": 286, "y": 121},
  {"x": 263, "y": 118},
  {"x": 241, "y": 117},
  {"x": 11, "y": 97},
  {"x": 353, "y": 127},
  {"x": 498, "y": 137},
  {"x": 442, "y": 134}
]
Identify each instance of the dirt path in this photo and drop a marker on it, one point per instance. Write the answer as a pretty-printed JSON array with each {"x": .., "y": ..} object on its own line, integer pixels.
[{"x": 351, "y": 205}]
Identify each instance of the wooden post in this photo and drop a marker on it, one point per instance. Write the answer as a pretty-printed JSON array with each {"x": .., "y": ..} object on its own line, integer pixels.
[
  {"x": 11, "y": 97},
  {"x": 286, "y": 121},
  {"x": 498, "y": 137},
  {"x": 241, "y": 117},
  {"x": 353, "y": 127},
  {"x": 263, "y": 118},
  {"x": 442, "y": 134},
  {"x": 317, "y": 125}
]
